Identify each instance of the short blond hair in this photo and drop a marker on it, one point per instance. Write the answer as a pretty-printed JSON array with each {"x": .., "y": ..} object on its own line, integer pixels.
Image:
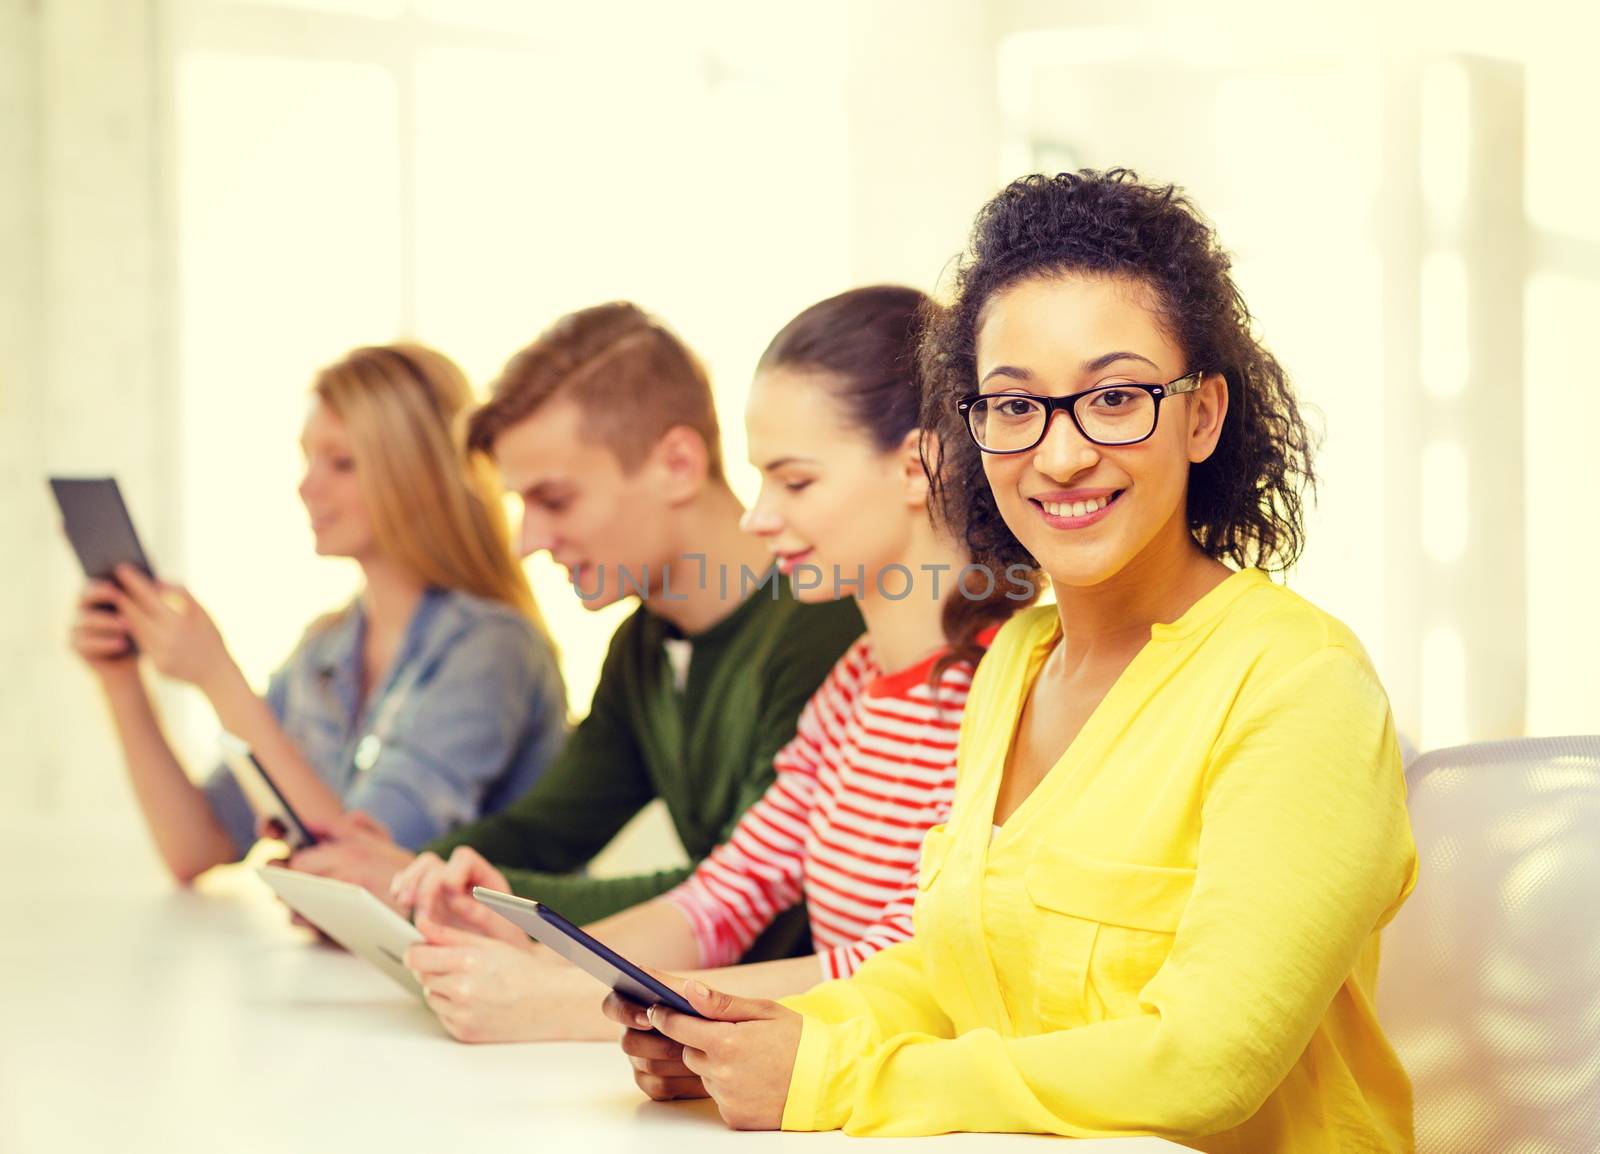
[{"x": 631, "y": 377}]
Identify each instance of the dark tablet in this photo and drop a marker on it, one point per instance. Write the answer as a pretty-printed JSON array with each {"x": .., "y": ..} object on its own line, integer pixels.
[
  {"x": 262, "y": 792},
  {"x": 587, "y": 953},
  {"x": 98, "y": 525}
]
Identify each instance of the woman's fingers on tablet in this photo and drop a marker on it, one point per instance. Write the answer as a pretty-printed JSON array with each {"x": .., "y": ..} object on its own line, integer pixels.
[
  {"x": 428, "y": 882},
  {"x": 667, "y": 978},
  {"x": 662, "y": 1067},
  {"x": 139, "y": 588},
  {"x": 466, "y": 869},
  {"x": 433, "y": 961},
  {"x": 139, "y": 622},
  {"x": 441, "y": 987},
  {"x": 99, "y": 595},
  {"x": 695, "y": 1061},
  {"x": 99, "y": 643},
  {"x": 460, "y": 909},
  {"x": 666, "y": 1089},
  {"x": 442, "y": 934},
  {"x": 649, "y": 1050},
  {"x": 472, "y": 915},
  {"x": 647, "y": 1044},
  {"x": 100, "y": 622},
  {"x": 627, "y": 1013},
  {"x": 403, "y": 886},
  {"x": 437, "y": 1002}
]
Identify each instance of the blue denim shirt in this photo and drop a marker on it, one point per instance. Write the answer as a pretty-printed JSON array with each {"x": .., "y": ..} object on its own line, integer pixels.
[{"x": 469, "y": 714}]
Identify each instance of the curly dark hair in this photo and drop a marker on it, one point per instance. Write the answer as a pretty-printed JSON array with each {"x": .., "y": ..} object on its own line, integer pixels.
[{"x": 1246, "y": 501}]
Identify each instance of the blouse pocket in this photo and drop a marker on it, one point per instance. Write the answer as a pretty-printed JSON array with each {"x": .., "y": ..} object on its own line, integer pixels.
[
  {"x": 1103, "y": 929},
  {"x": 936, "y": 845},
  {"x": 935, "y": 848}
]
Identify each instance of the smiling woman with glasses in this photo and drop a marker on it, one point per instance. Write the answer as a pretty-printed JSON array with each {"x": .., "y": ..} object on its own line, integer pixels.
[{"x": 1179, "y": 819}]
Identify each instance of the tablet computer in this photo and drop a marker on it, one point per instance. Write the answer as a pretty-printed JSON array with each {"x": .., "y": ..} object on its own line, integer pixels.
[
  {"x": 350, "y": 916},
  {"x": 97, "y": 523},
  {"x": 587, "y": 953},
  {"x": 262, "y": 794}
]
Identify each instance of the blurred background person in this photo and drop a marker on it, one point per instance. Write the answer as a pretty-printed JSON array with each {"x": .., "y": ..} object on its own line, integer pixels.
[{"x": 432, "y": 698}]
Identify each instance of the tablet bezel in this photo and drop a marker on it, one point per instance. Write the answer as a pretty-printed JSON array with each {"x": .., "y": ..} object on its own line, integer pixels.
[{"x": 588, "y": 953}]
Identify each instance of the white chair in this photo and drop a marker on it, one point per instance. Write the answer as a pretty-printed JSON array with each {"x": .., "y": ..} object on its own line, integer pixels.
[{"x": 1490, "y": 983}]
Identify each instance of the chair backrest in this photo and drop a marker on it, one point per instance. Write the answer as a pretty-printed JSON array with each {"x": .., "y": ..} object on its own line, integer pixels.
[{"x": 1490, "y": 983}]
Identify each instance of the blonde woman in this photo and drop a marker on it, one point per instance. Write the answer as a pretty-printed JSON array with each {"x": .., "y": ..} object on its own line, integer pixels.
[{"x": 433, "y": 698}]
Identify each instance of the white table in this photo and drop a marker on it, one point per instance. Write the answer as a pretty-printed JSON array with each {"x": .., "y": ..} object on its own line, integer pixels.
[{"x": 135, "y": 1017}]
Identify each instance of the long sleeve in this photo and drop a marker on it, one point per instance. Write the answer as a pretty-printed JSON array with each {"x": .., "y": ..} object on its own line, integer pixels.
[
  {"x": 462, "y": 731},
  {"x": 888, "y": 996},
  {"x": 1304, "y": 852},
  {"x": 592, "y": 787},
  {"x": 746, "y": 882},
  {"x": 894, "y": 925},
  {"x": 870, "y": 768},
  {"x": 582, "y": 899}
]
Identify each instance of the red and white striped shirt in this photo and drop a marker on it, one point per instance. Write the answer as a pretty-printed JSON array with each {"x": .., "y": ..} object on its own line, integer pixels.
[{"x": 871, "y": 767}]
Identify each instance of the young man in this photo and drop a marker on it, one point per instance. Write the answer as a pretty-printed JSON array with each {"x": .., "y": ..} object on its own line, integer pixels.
[{"x": 606, "y": 429}]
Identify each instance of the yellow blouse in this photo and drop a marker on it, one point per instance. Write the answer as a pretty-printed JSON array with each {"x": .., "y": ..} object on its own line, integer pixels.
[{"x": 1175, "y": 934}]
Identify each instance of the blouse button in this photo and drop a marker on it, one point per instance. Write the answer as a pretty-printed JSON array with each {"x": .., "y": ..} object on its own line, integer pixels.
[{"x": 367, "y": 751}]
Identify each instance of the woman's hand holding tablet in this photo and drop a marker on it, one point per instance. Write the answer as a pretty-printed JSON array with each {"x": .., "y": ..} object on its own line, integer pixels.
[
  {"x": 740, "y": 1051},
  {"x": 485, "y": 990},
  {"x": 99, "y": 635},
  {"x": 172, "y": 629}
]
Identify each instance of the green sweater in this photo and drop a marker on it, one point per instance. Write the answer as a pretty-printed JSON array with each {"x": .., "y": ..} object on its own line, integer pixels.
[{"x": 706, "y": 751}]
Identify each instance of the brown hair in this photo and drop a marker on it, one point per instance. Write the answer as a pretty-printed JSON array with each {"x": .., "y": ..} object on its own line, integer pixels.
[
  {"x": 631, "y": 376},
  {"x": 865, "y": 341},
  {"x": 435, "y": 510}
]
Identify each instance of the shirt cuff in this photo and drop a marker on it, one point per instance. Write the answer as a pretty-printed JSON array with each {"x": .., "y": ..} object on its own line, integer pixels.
[
  {"x": 405, "y": 816},
  {"x": 232, "y": 811},
  {"x": 822, "y": 1084}
]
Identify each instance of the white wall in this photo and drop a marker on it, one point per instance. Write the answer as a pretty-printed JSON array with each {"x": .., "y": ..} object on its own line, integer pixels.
[
  {"x": 234, "y": 193},
  {"x": 22, "y": 522},
  {"x": 922, "y": 126},
  {"x": 85, "y": 340},
  {"x": 849, "y": 144},
  {"x": 1408, "y": 193}
]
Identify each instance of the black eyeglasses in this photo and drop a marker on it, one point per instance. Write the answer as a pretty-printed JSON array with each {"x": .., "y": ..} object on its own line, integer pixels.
[{"x": 1124, "y": 414}]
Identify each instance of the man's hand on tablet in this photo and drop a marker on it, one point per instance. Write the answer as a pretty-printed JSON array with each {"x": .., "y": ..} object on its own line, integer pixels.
[{"x": 441, "y": 891}]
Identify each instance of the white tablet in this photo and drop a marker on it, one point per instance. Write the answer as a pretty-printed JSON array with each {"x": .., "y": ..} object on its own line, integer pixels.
[{"x": 350, "y": 916}]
